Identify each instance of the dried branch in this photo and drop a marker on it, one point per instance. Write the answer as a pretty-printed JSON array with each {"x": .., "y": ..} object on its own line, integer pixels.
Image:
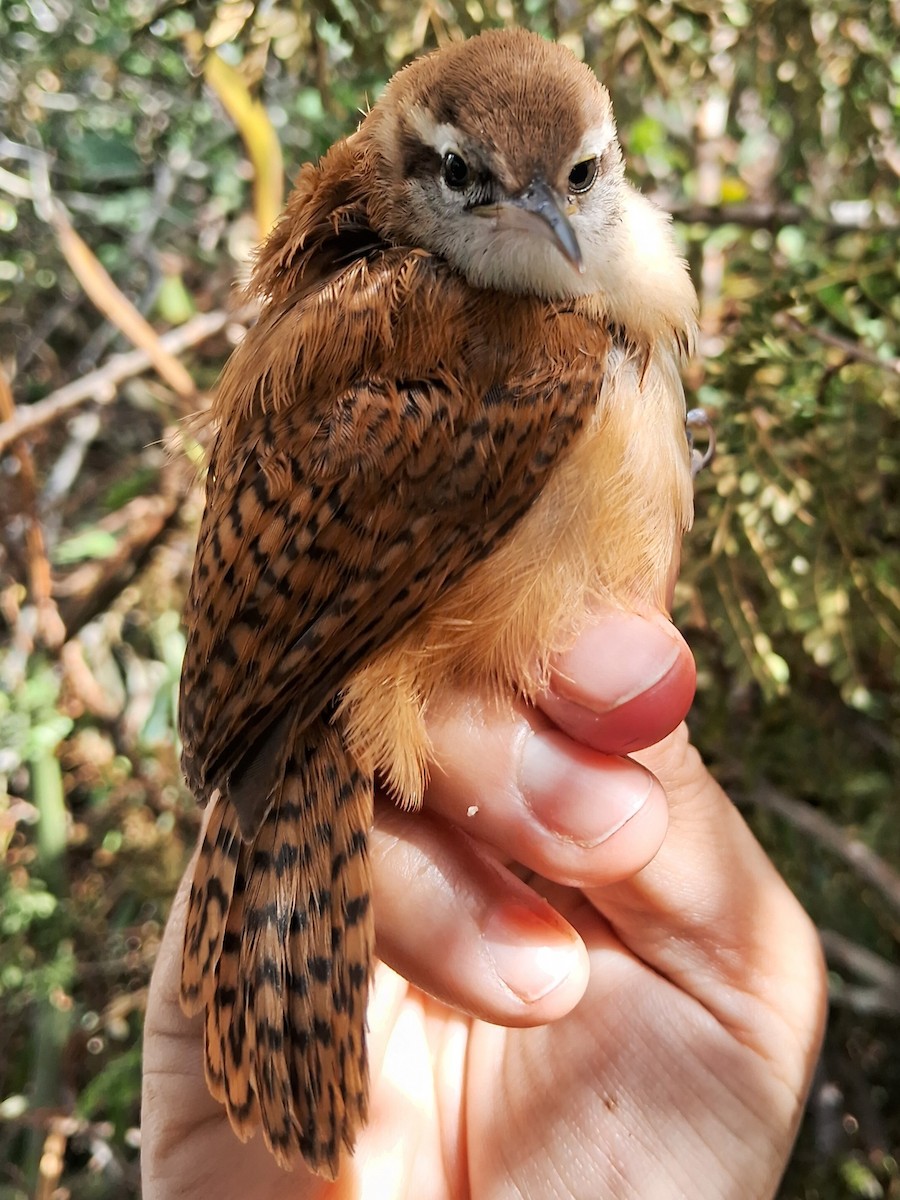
[
  {"x": 864, "y": 861},
  {"x": 50, "y": 1167},
  {"x": 853, "y": 350},
  {"x": 98, "y": 285},
  {"x": 861, "y": 961},
  {"x": 100, "y": 385},
  {"x": 116, "y": 307},
  {"x": 49, "y": 627},
  {"x": 258, "y": 134},
  {"x": 880, "y": 990},
  {"x": 139, "y": 525},
  {"x": 864, "y": 999},
  {"x": 773, "y": 217}
]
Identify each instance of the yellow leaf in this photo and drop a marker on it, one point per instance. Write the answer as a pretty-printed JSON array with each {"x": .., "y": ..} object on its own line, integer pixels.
[
  {"x": 259, "y": 136},
  {"x": 733, "y": 190},
  {"x": 105, "y": 295}
]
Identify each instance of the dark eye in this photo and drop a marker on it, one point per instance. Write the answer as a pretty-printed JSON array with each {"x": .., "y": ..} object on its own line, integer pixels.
[
  {"x": 455, "y": 172},
  {"x": 582, "y": 175}
]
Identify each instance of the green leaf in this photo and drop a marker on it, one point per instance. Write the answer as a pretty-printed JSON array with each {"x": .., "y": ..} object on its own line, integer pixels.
[{"x": 91, "y": 544}]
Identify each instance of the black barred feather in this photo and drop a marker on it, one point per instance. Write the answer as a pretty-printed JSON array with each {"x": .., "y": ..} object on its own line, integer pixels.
[{"x": 280, "y": 943}]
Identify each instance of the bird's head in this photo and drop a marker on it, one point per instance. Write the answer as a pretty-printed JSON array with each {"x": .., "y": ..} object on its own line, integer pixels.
[{"x": 500, "y": 155}]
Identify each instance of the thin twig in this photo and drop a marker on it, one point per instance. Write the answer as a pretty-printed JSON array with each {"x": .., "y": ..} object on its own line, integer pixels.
[
  {"x": 138, "y": 248},
  {"x": 864, "y": 861},
  {"x": 62, "y": 475},
  {"x": 880, "y": 989},
  {"x": 50, "y": 627},
  {"x": 98, "y": 284},
  {"x": 100, "y": 385},
  {"x": 14, "y": 185},
  {"x": 50, "y": 1167},
  {"x": 773, "y": 217},
  {"x": 860, "y": 960},
  {"x": 141, "y": 524},
  {"x": 39, "y": 334},
  {"x": 866, "y": 1000},
  {"x": 853, "y": 350},
  {"x": 105, "y": 294}
]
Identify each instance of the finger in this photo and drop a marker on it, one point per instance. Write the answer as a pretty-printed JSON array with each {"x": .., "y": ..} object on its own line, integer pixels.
[
  {"x": 539, "y": 798},
  {"x": 491, "y": 947},
  {"x": 574, "y": 813},
  {"x": 627, "y": 682},
  {"x": 459, "y": 925},
  {"x": 711, "y": 914}
]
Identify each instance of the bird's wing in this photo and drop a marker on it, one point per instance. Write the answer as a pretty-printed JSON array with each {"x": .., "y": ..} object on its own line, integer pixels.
[{"x": 329, "y": 527}]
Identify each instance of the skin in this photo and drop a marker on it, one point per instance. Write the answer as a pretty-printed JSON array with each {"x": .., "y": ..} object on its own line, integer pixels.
[{"x": 640, "y": 1019}]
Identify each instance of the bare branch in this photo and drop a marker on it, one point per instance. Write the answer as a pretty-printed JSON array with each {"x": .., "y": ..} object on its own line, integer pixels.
[
  {"x": 854, "y": 350},
  {"x": 50, "y": 627},
  {"x": 775, "y": 216},
  {"x": 139, "y": 527},
  {"x": 100, "y": 386},
  {"x": 106, "y": 295},
  {"x": 861, "y": 961},
  {"x": 864, "y": 861}
]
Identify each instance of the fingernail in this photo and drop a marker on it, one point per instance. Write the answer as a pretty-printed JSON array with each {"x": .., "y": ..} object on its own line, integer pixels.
[
  {"x": 577, "y": 794},
  {"x": 618, "y": 657},
  {"x": 532, "y": 953}
]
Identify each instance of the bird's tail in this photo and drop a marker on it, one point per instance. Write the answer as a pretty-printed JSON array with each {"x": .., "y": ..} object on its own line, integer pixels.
[{"x": 278, "y": 950}]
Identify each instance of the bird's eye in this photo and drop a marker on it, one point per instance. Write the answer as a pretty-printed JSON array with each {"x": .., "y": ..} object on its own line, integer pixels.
[
  {"x": 582, "y": 175},
  {"x": 455, "y": 171}
]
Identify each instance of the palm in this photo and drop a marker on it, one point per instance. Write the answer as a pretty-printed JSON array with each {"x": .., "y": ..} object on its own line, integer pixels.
[{"x": 640, "y": 1065}]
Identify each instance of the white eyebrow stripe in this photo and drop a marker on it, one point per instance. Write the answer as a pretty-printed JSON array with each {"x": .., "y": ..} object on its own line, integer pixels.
[
  {"x": 595, "y": 141},
  {"x": 441, "y": 137}
]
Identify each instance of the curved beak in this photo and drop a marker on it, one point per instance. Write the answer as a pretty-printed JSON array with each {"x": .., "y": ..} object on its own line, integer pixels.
[{"x": 538, "y": 210}]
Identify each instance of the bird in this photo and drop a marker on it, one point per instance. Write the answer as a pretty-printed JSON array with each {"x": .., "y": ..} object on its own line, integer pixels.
[{"x": 457, "y": 421}]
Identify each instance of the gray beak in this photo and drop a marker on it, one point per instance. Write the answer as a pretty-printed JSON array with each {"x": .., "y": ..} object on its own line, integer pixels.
[{"x": 538, "y": 210}]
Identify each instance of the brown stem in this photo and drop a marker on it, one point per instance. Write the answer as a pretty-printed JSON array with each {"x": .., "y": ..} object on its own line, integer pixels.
[
  {"x": 853, "y": 350},
  {"x": 140, "y": 525},
  {"x": 864, "y": 861},
  {"x": 100, "y": 386},
  {"x": 50, "y": 628},
  {"x": 771, "y": 216}
]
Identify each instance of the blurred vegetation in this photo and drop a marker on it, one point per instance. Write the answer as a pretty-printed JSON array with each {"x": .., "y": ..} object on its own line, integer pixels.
[{"x": 139, "y": 158}]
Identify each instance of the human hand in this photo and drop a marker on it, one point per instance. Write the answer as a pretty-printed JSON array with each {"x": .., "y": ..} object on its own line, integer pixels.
[{"x": 646, "y": 1031}]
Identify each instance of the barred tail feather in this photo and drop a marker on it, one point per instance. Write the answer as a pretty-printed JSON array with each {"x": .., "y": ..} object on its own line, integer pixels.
[
  {"x": 212, "y": 892},
  {"x": 282, "y": 965}
]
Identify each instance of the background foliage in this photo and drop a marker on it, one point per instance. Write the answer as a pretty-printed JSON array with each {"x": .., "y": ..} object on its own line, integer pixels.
[{"x": 138, "y": 159}]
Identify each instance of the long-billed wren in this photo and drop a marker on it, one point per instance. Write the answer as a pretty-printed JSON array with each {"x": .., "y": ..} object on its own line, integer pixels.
[{"x": 458, "y": 419}]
